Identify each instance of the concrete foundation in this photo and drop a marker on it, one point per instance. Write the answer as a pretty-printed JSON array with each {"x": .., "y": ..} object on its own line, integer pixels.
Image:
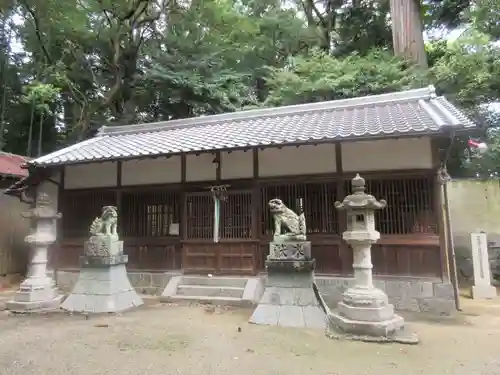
[
  {"x": 425, "y": 295},
  {"x": 102, "y": 287}
]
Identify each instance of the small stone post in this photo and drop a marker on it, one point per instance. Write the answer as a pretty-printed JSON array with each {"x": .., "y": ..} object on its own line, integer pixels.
[
  {"x": 37, "y": 292},
  {"x": 482, "y": 288},
  {"x": 364, "y": 310}
]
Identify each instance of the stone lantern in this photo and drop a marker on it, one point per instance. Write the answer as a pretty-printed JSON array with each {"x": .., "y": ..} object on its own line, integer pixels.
[
  {"x": 364, "y": 310},
  {"x": 37, "y": 292}
]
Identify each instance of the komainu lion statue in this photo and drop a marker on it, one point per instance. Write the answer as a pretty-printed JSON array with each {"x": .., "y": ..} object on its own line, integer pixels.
[
  {"x": 106, "y": 224},
  {"x": 287, "y": 224}
]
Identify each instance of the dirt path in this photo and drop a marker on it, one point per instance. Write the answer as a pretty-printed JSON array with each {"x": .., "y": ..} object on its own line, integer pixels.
[{"x": 193, "y": 341}]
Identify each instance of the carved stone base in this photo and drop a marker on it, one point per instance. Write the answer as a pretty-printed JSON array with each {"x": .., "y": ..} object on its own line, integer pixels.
[
  {"x": 385, "y": 328},
  {"x": 289, "y": 299},
  {"x": 102, "y": 287},
  {"x": 365, "y": 297},
  {"x": 34, "y": 306},
  {"x": 288, "y": 266},
  {"x": 295, "y": 250},
  {"x": 98, "y": 262},
  {"x": 35, "y": 295},
  {"x": 103, "y": 246},
  {"x": 365, "y": 312}
]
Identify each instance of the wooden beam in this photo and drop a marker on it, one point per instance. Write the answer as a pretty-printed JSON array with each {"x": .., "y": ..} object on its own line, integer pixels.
[
  {"x": 338, "y": 158},
  {"x": 256, "y": 199},
  {"x": 182, "y": 202},
  {"x": 440, "y": 213},
  {"x": 56, "y": 249},
  {"x": 255, "y": 156},
  {"x": 118, "y": 190},
  {"x": 218, "y": 160},
  {"x": 119, "y": 174},
  {"x": 346, "y": 266},
  {"x": 183, "y": 168}
]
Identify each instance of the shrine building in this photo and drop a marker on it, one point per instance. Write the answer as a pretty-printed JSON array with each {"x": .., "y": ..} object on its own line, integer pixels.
[{"x": 159, "y": 176}]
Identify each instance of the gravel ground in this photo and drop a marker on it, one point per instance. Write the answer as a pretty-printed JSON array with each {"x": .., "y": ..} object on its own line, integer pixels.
[{"x": 195, "y": 340}]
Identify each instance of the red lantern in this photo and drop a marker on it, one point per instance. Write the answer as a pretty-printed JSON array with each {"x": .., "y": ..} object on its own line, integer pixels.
[{"x": 481, "y": 147}]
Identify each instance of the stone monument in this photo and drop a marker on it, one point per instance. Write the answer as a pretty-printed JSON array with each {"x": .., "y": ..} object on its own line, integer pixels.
[
  {"x": 103, "y": 285},
  {"x": 364, "y": 311},
  {"x": 37, "y": 292},
  {"x": 289, "y": 298},
  {"x": 481, "y": 266}
]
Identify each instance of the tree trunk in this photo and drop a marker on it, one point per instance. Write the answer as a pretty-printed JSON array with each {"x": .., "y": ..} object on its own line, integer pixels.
[{"x": 407, "y": 31}]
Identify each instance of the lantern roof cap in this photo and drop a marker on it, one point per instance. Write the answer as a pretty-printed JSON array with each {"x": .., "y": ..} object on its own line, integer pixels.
[{"x": 359, "y": 199}]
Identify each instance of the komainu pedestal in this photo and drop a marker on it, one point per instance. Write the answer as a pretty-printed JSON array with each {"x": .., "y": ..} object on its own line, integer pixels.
[
  {"x": 103, "y": 285},
  {"x": 289, "y": 299}
]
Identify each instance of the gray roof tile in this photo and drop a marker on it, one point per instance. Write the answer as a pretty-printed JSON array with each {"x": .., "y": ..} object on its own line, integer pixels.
[{"x": 411, "y": 112}]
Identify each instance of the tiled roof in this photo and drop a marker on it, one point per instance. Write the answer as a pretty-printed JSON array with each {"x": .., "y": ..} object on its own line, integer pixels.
[
  {"x": 412, "y": 112},
  {"x": 10, "y": 165}
]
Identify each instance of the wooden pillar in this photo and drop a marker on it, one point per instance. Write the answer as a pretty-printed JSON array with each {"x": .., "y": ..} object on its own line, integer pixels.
[
  {"x": 183, "y": 209},
  {"x": 54, "y": 254},
  {"x": 218, "y": 170},
  {"x": 439, "y": 209},
  {"x": 256, "y": 211},
  {"x": 346, "y": 266},
  {"x": 118, "y": 190}
]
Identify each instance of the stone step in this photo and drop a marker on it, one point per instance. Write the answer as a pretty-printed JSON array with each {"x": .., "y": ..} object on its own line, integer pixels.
[
  {"x": 218, "y": 301},
  {"x": 238, "y": 282},
  {"x": 209, "y": 291}
]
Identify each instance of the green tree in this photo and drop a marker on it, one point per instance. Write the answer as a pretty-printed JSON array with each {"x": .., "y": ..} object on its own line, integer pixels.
[{"x": 320, "y": 77}]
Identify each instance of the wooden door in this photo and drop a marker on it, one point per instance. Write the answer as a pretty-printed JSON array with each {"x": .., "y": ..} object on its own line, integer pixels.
[{"x": 235, "y": 252}]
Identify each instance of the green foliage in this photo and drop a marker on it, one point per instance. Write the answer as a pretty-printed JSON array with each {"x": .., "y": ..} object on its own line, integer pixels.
[
  {"x": 486, "y": 15},
  {"x": 469, "y": 71},
  {"x": 40, "y": 95},
  {"x": 319, "y": 76},
  {"x": 85, "y": 63}
]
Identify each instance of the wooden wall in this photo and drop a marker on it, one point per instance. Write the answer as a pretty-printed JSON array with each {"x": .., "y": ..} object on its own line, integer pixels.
[
  {"x": 166, "y": 209},
  {"x": 409, "y": 244}
]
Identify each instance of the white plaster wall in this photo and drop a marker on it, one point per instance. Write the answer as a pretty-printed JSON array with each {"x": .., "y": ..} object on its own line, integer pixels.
[
  {"x": 297, "y": 160},
  {"x": 151, "y": 171},
  {"x": 236, "y": 164},
  {"x": 90, "y": 175},
  {"x": 200, "y": 167},
  {"x": 405, "y": 153}
]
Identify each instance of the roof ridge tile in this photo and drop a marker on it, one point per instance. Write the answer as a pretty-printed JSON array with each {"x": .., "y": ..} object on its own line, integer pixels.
[{"x": 388, "y": 98}]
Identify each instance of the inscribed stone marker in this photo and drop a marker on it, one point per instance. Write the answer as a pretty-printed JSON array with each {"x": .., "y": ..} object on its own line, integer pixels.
[{"x": 482, "y": 278}]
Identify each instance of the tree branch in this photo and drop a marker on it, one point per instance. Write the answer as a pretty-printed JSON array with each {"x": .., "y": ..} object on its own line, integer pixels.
[{"x": 38, "y": 33}]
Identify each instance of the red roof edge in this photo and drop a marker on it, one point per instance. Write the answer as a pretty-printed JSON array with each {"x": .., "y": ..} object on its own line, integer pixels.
[{"x": 13, "y": 165}]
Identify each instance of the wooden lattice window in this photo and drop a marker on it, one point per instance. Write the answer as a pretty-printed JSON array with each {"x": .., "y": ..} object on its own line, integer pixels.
[
  {"x": 80, "y": 208},
  {"x": 151, "y": 214},
  {"x": 236, "y": 216},
  {"x": 318, "y": 204},
  {"x": 410, "y": 208},
  {"x": 199, "y": 216}
]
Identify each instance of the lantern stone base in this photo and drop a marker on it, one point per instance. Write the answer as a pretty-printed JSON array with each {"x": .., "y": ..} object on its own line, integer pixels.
[
  {"x": 289, "y": 299},
  {"x": 364, "y": 313},
  {"x": 102, "y": 287},
  {"x": 35, "y": 295}
]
